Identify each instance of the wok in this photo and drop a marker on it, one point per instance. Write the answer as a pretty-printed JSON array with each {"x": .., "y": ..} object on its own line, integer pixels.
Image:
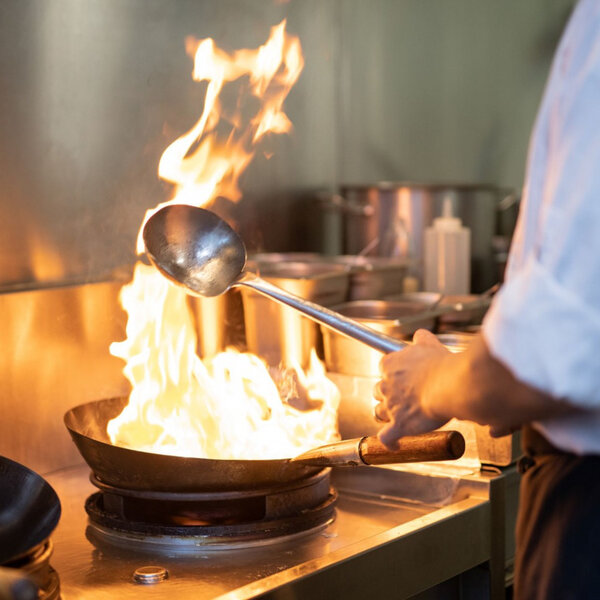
[
  {"x": 147, "y": 471},
  {"x": 29, "y": 510}
]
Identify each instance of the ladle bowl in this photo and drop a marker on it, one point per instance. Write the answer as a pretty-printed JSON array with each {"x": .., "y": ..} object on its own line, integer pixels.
[{"x": 197, "y": 250}]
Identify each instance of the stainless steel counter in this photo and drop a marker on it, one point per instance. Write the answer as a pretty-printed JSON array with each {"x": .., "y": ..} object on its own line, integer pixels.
[{"x": 396, "y": 530}]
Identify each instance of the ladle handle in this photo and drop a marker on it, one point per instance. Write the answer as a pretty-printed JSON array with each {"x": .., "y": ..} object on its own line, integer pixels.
[{"x": 324, "y": 316}]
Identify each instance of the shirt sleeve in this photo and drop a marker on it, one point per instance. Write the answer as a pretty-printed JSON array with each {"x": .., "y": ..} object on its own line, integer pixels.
[
  {"x": 544, "y": 324},
  {"x": 546, "y": 335}
]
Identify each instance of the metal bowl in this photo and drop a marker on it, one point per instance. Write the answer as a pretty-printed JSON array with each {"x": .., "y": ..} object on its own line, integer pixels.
[{"x": 350, "y": 357}]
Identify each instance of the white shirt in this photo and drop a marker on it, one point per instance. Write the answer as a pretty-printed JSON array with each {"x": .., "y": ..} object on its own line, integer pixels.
[{"x": 544, "y": 324}]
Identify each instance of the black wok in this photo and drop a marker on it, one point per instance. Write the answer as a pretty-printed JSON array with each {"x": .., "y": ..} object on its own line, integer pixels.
[
  {"x": 147, "y": 471},
  {"x": 29, "y": 510}
]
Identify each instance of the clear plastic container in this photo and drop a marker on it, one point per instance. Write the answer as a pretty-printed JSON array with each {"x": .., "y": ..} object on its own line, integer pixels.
[{"x": 447, "y": 254}]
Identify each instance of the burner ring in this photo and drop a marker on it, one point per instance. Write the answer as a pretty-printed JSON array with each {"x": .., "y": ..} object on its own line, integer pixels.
[
  {"x": 196, "y": 538},
  {"x": 205, "y": 496},
  {"x": 209, "y": 518},
  {"x": 35, "y": 564}
]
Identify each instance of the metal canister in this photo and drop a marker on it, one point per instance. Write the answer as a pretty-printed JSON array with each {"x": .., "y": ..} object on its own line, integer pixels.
[
  {"x": 280, "y": 334},
  {"x": 390, "y": 218}
]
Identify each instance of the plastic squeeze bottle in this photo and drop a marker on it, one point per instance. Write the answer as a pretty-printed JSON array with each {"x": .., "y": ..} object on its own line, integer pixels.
[{"x": 447, "y": 254}]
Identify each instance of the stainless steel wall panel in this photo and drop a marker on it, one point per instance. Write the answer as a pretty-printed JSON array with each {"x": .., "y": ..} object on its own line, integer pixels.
[
  {"x": 442, "y": 91},
  {"x": 94, "y": 91},
  {"x": 54, "y": 355}
]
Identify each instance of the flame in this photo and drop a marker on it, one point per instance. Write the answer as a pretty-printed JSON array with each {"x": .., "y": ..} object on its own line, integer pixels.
[
  {"x": 228, "y": 407},
  {"x": 204, "y": 163}
]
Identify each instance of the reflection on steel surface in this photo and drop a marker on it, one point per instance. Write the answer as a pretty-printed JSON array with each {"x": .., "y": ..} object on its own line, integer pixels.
[{"x": 394, "y": 530}]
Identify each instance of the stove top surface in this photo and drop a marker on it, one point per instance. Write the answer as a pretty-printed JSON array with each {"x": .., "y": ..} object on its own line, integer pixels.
[{"x": 378, "y": 510}]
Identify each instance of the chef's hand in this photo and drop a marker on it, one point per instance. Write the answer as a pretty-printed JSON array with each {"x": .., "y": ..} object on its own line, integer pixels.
[{"x": 401, "y": 389}]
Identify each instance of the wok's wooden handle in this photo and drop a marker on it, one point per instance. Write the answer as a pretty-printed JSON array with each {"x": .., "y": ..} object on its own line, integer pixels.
[{"x": 437, "y": 445}]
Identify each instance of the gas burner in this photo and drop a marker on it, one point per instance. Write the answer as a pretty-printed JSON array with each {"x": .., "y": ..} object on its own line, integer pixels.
[
  {"x": 35, "y": 565},
  {"x": 217, "y": 520}
]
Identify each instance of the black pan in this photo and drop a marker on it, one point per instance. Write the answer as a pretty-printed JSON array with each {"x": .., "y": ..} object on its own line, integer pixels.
[
  {"x": 29, "y": 510},
  {"x": 136, "y": 470}
]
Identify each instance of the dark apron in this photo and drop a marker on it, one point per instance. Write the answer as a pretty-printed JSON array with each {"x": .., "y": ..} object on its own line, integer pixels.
[{"x": 558, "y": 528}]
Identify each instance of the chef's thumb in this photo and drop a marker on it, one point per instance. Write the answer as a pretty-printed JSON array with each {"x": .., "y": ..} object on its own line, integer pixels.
[{"x": 425, "y": 338}]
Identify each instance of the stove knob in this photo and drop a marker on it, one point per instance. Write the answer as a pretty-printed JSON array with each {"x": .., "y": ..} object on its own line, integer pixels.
[{"x": 150, "y": 575}]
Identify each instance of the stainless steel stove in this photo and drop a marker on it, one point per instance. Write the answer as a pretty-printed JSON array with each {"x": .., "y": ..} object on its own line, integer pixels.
[
  {"x": 399, "y": 531},
  {"x": 431, "y": 531}
]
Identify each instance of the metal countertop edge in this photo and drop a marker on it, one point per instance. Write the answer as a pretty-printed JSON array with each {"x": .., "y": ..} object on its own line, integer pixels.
[{"x": 294, "y": 574}]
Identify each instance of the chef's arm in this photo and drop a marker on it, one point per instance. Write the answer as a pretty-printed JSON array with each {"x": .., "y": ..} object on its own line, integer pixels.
[{"x": 473, "y": 385}]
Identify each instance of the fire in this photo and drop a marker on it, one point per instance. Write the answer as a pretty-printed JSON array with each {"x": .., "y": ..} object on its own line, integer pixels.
[
  {"x": 205, "y": 162},
  {"x": 229, "y": 406}
]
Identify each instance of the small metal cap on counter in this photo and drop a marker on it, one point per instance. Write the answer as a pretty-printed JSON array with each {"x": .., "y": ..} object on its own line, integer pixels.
[{"x": 150, "y": 575}]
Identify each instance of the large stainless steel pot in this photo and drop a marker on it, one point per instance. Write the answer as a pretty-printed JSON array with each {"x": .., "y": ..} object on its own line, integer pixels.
[{"x": 389, "y": 219}]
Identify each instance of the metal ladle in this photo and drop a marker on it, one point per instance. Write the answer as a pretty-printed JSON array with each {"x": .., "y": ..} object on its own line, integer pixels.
[{"x": 197, "y": 250}]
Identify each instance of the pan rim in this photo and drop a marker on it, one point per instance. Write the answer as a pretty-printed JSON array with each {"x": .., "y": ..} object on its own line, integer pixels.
[{"x": 69, "y": 415}]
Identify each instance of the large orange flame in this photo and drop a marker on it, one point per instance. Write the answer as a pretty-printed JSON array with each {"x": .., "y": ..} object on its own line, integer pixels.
[
  {"x": 204, "y": 164},
  {"x": 229, "y": 406}
]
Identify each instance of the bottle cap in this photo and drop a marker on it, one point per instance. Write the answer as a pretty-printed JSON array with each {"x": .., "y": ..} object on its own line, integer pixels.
[{"x": 447, "y": 221}]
